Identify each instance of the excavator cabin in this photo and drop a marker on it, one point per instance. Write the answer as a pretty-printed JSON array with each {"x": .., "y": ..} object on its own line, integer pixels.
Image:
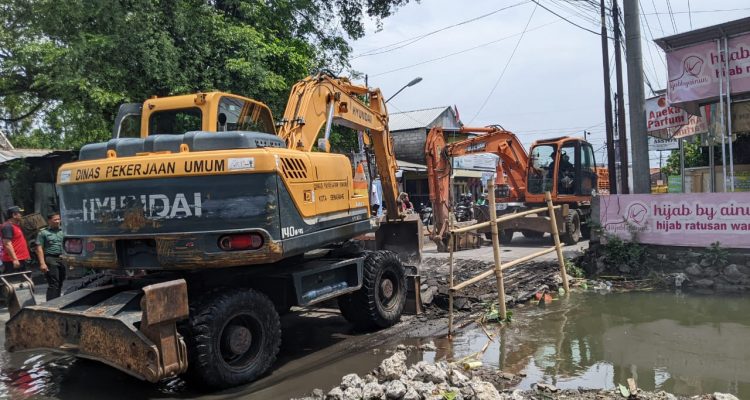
[{"x": 563, "y": 166}]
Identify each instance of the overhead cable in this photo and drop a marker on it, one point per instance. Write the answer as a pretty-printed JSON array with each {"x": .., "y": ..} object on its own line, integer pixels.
[
  {"x": 499, "y": 78},
  {"x": 462, "y": 51},
  {"x": 414, "y": 39}
]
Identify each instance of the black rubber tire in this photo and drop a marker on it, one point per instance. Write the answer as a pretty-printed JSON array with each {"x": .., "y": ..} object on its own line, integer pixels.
[
  {"x": 532, "y": 234},
  {"x": 572, "y": 228},
  {"x": 245, "y": 315},
  {"x": 91, "y": 281},
  {"x": 380, "y": 301},
  {"x": 586, "y": 232},
  {"x": 506, "y": 236}
]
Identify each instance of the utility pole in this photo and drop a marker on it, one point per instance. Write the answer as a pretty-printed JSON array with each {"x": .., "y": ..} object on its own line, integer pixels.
[
  {"x": 620, "y": 102},
  {"x": 611, "y": 166},
  {"x": 636, "y": 99}
]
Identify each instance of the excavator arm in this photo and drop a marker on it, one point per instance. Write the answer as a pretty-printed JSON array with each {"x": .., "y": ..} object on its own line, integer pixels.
[
  {"x": 322, "y": 100},
  {"x": 493, "y": 140}
]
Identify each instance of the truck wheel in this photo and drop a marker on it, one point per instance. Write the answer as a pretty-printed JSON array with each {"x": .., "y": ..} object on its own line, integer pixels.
[
  {"x": 572, "y": 229},
  {"x": 381, "y": 300},
  {"x": 532, "y": 234},
  {"x": 232, "y": 337}
]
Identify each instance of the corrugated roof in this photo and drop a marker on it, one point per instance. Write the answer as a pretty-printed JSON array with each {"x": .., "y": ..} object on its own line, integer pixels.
[
  {"x": 689, "y": 38},
  {"x": 8, "y": 155},
  {"x": 416, "y": 119}
]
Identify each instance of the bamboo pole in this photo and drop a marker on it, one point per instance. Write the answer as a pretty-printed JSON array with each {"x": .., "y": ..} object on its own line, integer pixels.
[
  {"x": 451, "y": 237},
  {"x": 496, "y": 250},
  {"x": 503, "y": 267},
  {"x": 556, "y": 236},
  {"x": 502, "y": 219}
]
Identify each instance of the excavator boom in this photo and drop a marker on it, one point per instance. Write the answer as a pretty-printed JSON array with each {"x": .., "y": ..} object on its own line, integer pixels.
[{"x": 322, "y": 100}]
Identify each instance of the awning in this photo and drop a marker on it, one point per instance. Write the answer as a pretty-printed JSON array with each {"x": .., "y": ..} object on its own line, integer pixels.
[
  {"x": 458, "y": 173},
  {"x": 8, "y": 155}
]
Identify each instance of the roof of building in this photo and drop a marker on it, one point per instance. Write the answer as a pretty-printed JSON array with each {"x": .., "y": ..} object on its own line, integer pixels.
[
  {"x": 8, "y": 155},
  {"x": 425, "y": 118},
  {"x": 731, "y": 28}
]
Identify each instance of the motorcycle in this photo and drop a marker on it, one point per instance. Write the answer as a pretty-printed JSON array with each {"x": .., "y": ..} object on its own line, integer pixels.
[
  {"x": 425, "y": 214},
  {"x": 464, "y": 211}
]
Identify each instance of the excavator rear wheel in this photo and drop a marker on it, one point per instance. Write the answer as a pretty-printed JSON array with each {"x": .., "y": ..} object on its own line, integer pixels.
[
  {"x": 233, "y": 337},
  {"x": 532, "y": 234},
  {"x": 505, "y": 236},
  {"x": 381, "y": 300},
  {"x": 572, "y": 232}
]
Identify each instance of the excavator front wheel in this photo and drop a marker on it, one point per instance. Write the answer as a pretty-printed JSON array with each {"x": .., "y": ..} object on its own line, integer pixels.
[
  {"x": 572, "y": 232},
  {"x": 383, "y": 295},
  {"x": 232, "y": 337}
]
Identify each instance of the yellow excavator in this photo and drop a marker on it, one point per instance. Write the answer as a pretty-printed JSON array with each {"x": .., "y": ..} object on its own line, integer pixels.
[{"x": 205, "y": 223}]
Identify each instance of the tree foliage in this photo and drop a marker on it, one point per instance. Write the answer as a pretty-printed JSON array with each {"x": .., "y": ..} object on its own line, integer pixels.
[
  {"x": 65, "y": 65},
  {"x": 693, "y": 158}
]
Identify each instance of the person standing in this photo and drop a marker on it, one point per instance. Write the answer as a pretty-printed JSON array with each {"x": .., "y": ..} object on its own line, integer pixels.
[
  {"x": 16, "y": 251},
  {"x": 48, "y": 250}
]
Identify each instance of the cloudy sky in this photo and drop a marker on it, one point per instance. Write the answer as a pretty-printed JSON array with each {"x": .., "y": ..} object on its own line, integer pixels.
[{"x": 552, "y": 84}]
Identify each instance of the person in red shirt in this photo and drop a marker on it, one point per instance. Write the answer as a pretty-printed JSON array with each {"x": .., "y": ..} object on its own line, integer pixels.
[{"x": 16, "y": 251}]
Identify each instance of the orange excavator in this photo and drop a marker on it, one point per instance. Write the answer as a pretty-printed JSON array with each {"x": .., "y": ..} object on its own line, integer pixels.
[{"x": 564, "y": 166}]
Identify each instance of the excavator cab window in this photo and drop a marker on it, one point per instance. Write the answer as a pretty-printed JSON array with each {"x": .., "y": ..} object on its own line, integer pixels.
[
  {"x": 589, "y": 177},
  {"x": 243, "y": 115},
  {"x": 175, "y": 122},
  {"x": 567, "y": 171},
  {"x": 542, "y": 171}
]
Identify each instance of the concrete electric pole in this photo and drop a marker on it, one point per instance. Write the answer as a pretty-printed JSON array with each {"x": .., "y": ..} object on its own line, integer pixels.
[
  {"x": 636, "y": 99},
  {"x": 622, "y": 131},
  {"x": 611, "y": 166}
]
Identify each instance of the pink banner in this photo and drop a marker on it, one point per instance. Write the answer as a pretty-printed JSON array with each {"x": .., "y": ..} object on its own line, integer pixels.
[
  {"x": 696, "y": 219},
  {"x": 694, "y": 71}
]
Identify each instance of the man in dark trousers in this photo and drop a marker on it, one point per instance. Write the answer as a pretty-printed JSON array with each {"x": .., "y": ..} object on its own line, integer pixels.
[
  {"x": 16, "y": 251},
  {"x": 48, "y": 250}
]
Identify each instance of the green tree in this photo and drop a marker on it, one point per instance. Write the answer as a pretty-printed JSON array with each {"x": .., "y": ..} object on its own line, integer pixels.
[
  {"x": 693, "y": 158},
  {"x": 65, "y": 65}
]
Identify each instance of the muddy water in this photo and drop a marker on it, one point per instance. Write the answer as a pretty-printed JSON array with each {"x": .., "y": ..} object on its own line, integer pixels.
[
  {"x": 684, "y": 344},
  {"x": 319, "y": 347}
]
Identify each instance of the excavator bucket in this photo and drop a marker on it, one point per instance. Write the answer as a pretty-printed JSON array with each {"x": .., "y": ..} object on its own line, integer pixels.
[
  {"x": 132, "y": 329},
  {"x": 402, "y": 237}
]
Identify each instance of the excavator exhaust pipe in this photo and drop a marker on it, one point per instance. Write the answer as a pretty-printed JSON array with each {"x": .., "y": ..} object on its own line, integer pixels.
[{"x": 402, "y": 237}]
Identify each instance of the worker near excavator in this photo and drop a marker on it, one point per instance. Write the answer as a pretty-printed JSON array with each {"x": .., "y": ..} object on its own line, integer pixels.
[
  {"x": 16, "y": 251},
  {"x": 406, "y": 206},
  {"x": 48, "y": 250}
]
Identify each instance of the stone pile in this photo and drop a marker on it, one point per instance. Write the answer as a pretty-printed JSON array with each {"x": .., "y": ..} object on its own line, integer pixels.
[{"x": 393, "y": 380}]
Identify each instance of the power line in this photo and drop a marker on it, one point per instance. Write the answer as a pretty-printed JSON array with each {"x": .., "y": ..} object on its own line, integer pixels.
[
  {"x": 567, "y": 20},
  {"x": 656, "y": 12},
  {"x": 698, "y": 11},
  {"x": 578, "y": 12},
  {"x": 671, "y": 15},
  {"x": 690, "y": 15},
  {"x": 414, "y": 39},
  {"x": 506, "y": 65},
  {"x": 461, "y": 51}
]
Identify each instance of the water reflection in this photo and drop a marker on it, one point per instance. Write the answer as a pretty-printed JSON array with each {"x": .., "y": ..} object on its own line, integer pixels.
[{"x": 684, "y": 344}]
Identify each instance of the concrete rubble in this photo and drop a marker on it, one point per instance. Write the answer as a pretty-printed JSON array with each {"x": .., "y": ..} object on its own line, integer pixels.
[{"x": 393, "y": 380}]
